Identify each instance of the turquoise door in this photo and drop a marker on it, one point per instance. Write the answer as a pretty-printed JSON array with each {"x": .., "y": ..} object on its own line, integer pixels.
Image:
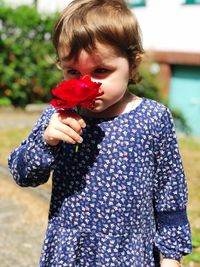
[{"x": 185, "y": 94}]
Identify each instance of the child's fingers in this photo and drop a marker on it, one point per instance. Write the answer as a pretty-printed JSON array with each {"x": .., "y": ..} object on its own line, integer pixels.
[
  {"x": 61, "y": 136},
  {"x": 81, "y": 121},
  {"x": 73, "y": 123},
  {"x": 64, "y": 126},
  {"x": 70, "y": 117},
  {"x": 61, "y": 132},
  {"x": 69, "y": 133}
]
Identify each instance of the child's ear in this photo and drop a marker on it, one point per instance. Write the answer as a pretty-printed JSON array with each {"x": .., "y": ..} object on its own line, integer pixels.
[
  {"x": 134, "y": 65},
  {"x": 132, "y": 70}
]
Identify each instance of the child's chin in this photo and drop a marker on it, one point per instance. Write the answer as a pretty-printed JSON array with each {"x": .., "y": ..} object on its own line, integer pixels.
[
  {"x": 94, "y": 110},
  {"x": 97, "y": 107}
]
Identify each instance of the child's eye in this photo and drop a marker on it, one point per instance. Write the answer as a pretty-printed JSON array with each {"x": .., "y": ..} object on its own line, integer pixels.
[
  {"x": 73, "y": 72},
  {"x": 101, "y": 71}
]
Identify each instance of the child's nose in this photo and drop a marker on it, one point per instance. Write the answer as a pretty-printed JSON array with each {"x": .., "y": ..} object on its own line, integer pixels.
[
  {"x": 91, "y": 78},
  {"x": 95, "y": 79},
  {"x": 86, "y": 75}
]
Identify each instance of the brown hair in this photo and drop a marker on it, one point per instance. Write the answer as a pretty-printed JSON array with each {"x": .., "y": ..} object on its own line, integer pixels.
[{"x": 84, "y": 23}]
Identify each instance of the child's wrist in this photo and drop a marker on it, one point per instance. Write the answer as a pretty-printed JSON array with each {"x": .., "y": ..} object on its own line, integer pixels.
[{"x": 170, "y": 263}]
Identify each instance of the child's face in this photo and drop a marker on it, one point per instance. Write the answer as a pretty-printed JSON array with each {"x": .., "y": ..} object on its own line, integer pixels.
[{"x": 103, "y": 65}]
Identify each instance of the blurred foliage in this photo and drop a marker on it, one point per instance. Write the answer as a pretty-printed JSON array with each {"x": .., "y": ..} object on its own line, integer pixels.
[
  {"x": 150, "y": 87},
  {"x": 180, "y": 122},
  {"x": 194, "y": 257},
  {"x": 27, "y": 56}
]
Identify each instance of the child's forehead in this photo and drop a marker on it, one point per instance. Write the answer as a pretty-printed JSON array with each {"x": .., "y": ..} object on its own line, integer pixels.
[{"x": 100, "y": 52}]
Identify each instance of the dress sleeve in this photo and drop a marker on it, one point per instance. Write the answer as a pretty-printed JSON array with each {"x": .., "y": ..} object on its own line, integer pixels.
[
  {"x": 173, "y": 236},
  {"x": 31, "y": 163}
]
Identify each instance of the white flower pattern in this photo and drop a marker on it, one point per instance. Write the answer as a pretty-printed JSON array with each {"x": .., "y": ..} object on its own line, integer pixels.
[{"x": 121, "y": 200}]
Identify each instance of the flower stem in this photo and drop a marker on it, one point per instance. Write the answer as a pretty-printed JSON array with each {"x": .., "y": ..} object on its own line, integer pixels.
[
  {"x": 76, "y": 148},
  {"x": 78, "y": 111}
]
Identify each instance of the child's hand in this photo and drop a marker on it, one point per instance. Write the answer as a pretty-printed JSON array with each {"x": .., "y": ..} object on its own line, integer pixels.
[
  {"x": 64, "y": 126},
  {"x": 170, "y": 263}
]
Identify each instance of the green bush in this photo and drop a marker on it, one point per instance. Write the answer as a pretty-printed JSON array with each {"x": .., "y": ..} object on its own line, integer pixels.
[
  {"x": 27, "y": 56},
  {"x": 150, "y": 87}
]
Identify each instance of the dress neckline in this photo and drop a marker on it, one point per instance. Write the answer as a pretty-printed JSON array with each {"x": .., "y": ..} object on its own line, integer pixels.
[{"x": 99, "y": 120}]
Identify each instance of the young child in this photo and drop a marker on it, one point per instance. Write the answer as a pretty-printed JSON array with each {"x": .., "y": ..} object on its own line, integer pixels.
[{"x": 121, "y": 199}]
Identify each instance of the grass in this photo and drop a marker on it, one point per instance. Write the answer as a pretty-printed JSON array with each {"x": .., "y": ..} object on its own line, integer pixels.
[
  {"x": 11, "y": 139},
  {"x": 190, "y": 151}
]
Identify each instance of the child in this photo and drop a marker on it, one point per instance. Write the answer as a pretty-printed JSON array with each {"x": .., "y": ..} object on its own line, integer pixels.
[{"x": 121, "y": 199}]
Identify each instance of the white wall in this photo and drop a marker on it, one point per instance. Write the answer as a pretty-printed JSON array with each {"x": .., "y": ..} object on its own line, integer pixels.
[
  {"x": 170, "y": 25},
  {"x": 166, "y": 24},
  {"x": 43, "y": 5},
  {"x": 53, "y": 5}
]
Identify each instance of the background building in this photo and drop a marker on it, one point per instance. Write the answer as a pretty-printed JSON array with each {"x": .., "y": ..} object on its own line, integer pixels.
[{"x": 170, "y": 37}]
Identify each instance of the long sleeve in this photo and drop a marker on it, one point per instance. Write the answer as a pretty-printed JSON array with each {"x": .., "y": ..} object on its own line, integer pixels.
[
  {"x": 31, "y": 163},
  {"x": 173, "y": 237}
]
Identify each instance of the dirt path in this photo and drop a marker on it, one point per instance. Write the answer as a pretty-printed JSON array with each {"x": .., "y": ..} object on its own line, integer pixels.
[{"x": 17, "y": 119}]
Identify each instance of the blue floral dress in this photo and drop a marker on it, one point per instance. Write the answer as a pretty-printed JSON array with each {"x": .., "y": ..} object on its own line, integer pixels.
[{"x": 120, "y": 200}]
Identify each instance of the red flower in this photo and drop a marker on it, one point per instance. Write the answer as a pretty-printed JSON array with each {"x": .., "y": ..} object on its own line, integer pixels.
[{"x": 72, "y": 93}]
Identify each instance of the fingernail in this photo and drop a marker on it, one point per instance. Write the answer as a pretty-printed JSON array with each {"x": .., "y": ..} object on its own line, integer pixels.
[{"x": 80, "y": 140}]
